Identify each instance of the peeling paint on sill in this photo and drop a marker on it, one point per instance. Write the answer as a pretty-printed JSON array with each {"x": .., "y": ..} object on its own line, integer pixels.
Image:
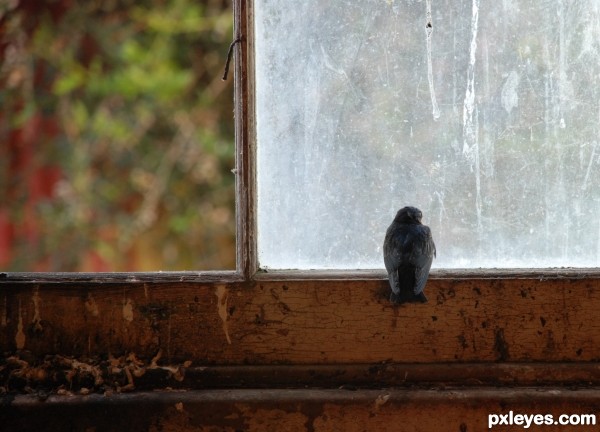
[{"x": 222, "y": 295}]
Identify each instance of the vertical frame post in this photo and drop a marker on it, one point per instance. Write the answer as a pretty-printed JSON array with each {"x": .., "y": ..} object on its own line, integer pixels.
[{"x": 245, "y": 142}]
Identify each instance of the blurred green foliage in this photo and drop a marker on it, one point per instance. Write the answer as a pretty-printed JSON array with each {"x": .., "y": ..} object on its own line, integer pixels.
[{"x": 122, "y": 100}]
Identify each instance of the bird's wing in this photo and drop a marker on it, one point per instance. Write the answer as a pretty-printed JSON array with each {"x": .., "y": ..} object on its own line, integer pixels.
[
  {"x": 421, "y": 275},
  {"x": 392, "y": 259},
  {"x": 392, "y": 262},
  {"x": 421, "y": 257}
]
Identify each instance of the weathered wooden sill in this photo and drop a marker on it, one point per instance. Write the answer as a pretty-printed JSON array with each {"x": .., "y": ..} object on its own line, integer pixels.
[
  {"x": 436, "y": 274},
  {"x": 297, "y": 275},
  {"x": 69, "y": 278},
  {"x": 449, "y": 409},
  {"x": 295, "y": 351},
  {"x": 305, "y": 321}
]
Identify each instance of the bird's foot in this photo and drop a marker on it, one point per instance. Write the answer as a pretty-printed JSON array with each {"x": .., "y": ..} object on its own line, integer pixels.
[{"x": 397, "y": 299}]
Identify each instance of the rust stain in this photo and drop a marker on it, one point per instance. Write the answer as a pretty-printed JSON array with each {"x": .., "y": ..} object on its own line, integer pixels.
[
  {"x": 222, "y": 295},
  {"x": 36, "y": 309},
  {"x": 128, "y": 310},
  {"x": 91, "y": 306},
  {"x": 4, "y": 318},
  {"x": 20, "y": 337},
  {"x": 500, "y": 345}
]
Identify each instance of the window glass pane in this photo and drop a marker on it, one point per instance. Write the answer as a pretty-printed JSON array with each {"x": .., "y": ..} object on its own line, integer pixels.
[
  {"x": 485, "y": 115},
  {"x": 116, "y": 136}
]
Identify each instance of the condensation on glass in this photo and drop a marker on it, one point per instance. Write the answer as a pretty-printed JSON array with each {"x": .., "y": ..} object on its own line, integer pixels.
[{"x": 485, "y": 115}]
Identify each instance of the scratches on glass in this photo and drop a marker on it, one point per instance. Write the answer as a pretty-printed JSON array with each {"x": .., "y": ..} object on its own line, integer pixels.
[
  {"x": 471, "y": 120},
  {"x": 429, "y": 32},
  {"x": 485, "y": 115}
]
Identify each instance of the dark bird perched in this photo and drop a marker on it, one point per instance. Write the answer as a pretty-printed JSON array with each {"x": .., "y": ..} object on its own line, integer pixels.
[{"x": 408, "y": 251}]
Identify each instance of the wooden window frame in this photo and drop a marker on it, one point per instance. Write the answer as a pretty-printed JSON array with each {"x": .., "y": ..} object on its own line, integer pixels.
[
  {"x": 244, "y": 169},
  {"x": 258, "y": 298},
  {"x": 247, "y": 266},
  {"x": 286, "y": 346}
]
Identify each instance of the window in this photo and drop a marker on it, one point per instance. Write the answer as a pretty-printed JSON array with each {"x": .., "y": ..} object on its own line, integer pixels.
[
  {"x": 486, "y": 118},
  {"x": 478, "y": 328},
  {"x": 117, "y": 140},
  {"x": 488, "y": 128}
]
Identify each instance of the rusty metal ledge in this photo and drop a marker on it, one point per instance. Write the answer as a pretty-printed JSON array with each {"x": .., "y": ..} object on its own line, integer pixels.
[
  {"x": 456, "y": 409},
  {"x": 283, "y": 397}
]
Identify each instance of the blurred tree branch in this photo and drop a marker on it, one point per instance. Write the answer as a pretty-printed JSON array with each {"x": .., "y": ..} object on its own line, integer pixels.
[{"x": 138, "y": 126}]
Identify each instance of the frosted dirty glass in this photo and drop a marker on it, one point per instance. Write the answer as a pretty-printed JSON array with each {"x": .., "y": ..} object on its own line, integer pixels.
[{"x": 485, "y": 115}]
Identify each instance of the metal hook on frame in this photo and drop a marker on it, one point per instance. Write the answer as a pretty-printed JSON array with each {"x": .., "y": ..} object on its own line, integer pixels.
[{"x": 229, "y": 53}]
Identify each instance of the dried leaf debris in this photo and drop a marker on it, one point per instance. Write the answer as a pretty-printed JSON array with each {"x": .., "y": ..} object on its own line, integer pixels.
[{"x": 61, "y": 375}]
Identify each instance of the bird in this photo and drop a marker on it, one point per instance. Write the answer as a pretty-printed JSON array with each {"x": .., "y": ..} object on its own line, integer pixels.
[{"x": 408, "y": 251}]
